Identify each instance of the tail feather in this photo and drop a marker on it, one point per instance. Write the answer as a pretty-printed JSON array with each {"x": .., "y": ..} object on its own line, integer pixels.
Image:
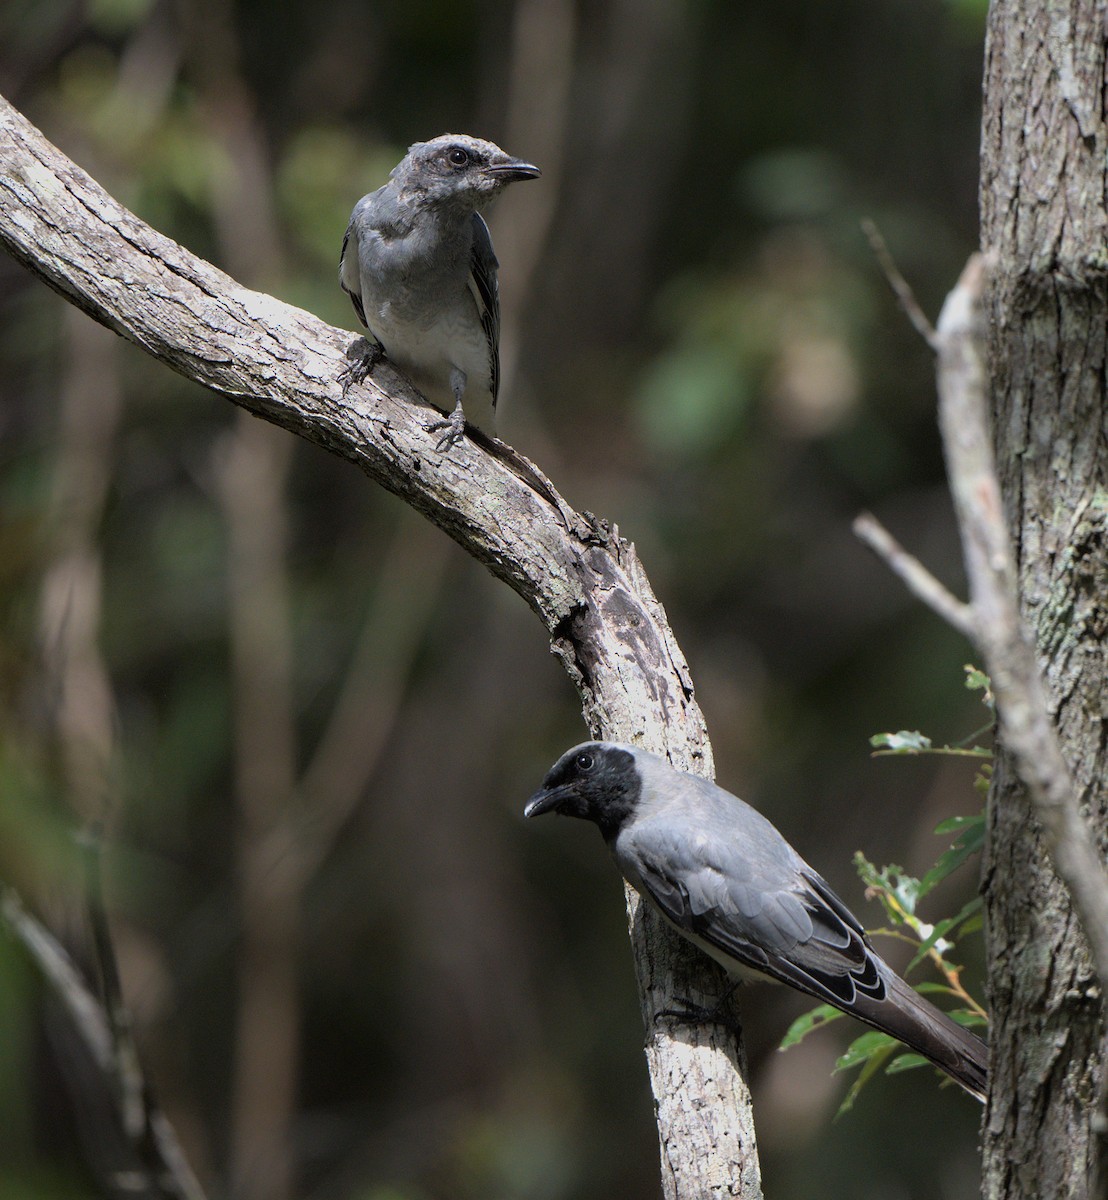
[{"x": 906, "y": 1015}]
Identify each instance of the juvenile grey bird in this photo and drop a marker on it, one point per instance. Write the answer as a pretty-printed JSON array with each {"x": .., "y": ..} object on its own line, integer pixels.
[
  {"x": 418, "y": 263},
  {"x": 723, "y": 876}
]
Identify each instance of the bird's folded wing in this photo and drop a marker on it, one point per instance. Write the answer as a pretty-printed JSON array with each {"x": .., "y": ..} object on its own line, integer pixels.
[
  {"x": 752, "y": 904},
  {"x": 349, "y": 270},
  {"x": 486, "y": 295}
]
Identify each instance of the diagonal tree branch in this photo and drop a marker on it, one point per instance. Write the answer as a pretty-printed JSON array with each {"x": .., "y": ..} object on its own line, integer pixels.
[{"x": 584, "y": 582}]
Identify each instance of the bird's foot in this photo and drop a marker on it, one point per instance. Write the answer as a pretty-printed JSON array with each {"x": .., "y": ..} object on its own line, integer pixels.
[
  {"x": 454, "y": 426},
  {"x": 691, "y": 1013},
  {"x": 358, "y": 370}
]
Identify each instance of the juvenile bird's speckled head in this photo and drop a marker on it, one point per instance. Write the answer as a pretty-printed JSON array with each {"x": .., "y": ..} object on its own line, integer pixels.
[{"x": 456, "y": 169}]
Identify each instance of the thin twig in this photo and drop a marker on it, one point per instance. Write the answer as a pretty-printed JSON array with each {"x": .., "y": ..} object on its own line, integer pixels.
[
  {"x": 57, "y": 968},
  {"x": 954, "y": 982},
  {"x": 94, "y": 1029},
  {"x": 919, "y": 580},
  {"x": 992, "y": 618},
  {"x": 126, "y": 1069},
  {"x": 899, "y": 284}
]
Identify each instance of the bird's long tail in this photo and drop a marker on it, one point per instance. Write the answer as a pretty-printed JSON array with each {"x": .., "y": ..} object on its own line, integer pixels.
[{"x": 907, "y": 1016}]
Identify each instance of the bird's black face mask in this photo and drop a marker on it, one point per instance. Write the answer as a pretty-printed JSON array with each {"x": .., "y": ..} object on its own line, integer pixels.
[{"x": 594, "y": 782}]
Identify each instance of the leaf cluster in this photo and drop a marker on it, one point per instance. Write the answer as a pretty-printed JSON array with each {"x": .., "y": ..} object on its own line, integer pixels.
[{"x": 900, "y": 894}]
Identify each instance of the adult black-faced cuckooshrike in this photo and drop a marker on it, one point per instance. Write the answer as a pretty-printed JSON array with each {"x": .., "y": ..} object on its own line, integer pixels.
[
  {"x": 723, "y": 876},
  {"x": 418, "y": 263}
]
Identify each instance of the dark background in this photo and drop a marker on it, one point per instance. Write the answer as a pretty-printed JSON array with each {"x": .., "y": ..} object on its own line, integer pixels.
[{"x": 699, "y": 346}]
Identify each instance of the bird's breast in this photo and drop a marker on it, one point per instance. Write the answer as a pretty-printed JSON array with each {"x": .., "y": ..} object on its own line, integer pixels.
[{"x": 428, "y": 346}]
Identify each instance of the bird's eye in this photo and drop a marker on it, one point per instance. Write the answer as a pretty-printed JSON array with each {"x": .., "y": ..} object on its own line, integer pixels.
[
  {"x": 584, "y": 762},
  {"x": 458, "y": 157}
]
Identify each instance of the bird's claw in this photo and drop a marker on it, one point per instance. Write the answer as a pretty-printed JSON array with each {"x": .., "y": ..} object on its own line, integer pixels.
[
  {"x": 691, "y": 1013},
  {"x": 358, "y": 370},
  {"x": 454, "y": 427},
  {"x": 688, "y": 1012}
]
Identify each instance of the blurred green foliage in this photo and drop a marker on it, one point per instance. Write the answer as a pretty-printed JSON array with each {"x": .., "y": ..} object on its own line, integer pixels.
[{"x": 705, "y": 353}]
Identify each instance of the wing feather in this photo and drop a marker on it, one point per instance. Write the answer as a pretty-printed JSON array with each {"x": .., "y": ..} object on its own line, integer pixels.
[
  {"x": 486, "y": 294},
  {"x": 349, "y": 271},
  {"x": 767, "y": 910}
]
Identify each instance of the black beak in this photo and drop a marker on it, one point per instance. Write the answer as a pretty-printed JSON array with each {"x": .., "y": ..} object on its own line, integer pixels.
[
  {"x": 546, "y": 800},
  {"x": 512, "y": 170}
]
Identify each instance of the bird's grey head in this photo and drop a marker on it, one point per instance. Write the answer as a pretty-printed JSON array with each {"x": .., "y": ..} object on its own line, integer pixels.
[
  {"x": 456, "y": 169},
  {"x": 598, "y": 781}
]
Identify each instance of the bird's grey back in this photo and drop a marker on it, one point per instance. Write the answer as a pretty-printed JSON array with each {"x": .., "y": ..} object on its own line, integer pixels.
[
  {"x": 717, "y": 855},
  {"x": 712, "y": 819}
]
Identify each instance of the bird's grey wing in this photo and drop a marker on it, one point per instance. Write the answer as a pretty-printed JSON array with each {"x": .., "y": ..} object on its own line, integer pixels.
[
  {"x": 486, "y": 294},
  {"x": 743, "y": 911},
  {"x": 349, "y": 271},
  {"x": 755, "y": 901}
]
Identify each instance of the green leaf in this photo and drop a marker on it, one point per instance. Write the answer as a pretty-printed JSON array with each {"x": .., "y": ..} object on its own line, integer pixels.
[
  {"x": 864, "y": 1048},
  {"x": 978, "y": 681},
  {"x": 962, "y": 751},
  {"x": 941, "y": 930},
  {"x": 937, "y": 934},
  {"x": 867, "y": 872},
  {"x": 872, "y": 1063},
  {"x": 803, "y": 1025},
  {"x": 905, "y": 1062},
  {"x": 969, "y": 841},
  {"x": 954, "y": 824},
  {"x": 973, "y": 924},
  {"x": 970, "y": 915},
  {"x": 890, "y": 882},
  {"x": 969, "y": 909},
  {"x": 907, "y": 741}
]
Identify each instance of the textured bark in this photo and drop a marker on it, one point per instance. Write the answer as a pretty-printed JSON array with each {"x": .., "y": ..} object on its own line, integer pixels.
[
  {"x": 1044, "y": 224},
  {"x": 579, "y": 576}
]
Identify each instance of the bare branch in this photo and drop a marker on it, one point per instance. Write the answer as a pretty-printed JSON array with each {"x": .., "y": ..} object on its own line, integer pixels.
[
  {"x": 918, "y": 579},
  {"x": 130, "y": 1088},
  {"x": 899, "y": 284},
  {"x": 151, "y": 1138},
  {"x": 584, "y": 581},
  {"x": 1026, "y": 728},
  {"x": 991, "y": 620}
]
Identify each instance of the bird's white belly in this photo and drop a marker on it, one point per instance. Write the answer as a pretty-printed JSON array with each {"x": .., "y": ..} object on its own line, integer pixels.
[{"x": 430, "y": 351}]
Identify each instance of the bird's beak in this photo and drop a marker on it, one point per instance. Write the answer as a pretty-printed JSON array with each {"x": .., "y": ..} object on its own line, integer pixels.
[
  {"x": 547, "y": 800},
  {"x": 512, "y": 169}
]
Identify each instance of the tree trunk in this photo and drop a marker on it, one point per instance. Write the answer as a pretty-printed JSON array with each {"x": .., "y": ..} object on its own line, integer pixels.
[{"x": 1043, "y": 188}]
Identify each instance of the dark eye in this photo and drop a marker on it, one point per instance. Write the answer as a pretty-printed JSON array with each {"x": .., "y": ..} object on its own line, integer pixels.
[
  {"x": 458, "y": 157},
  {"x": 584, "y": 762}
]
